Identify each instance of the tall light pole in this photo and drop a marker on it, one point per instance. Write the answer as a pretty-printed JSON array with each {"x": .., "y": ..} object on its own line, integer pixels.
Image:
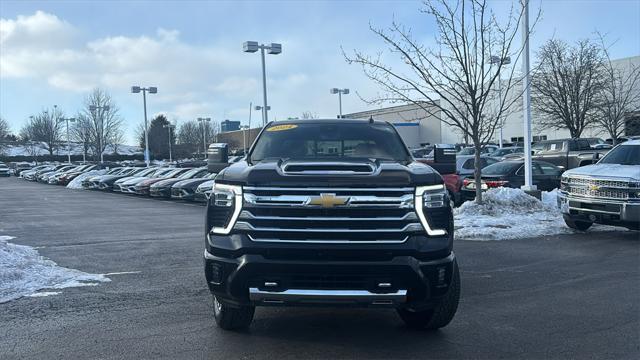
[
  {"x": 262, "y": 111},
  {"x": 526, "y": 97},
  {"x": 340, "y": 92},
  {"x": 68, "y": 120},
  {"x": 204, "y": 122},
  {"x": 273, "y": 49},
  {"x": 94, "y": 109},
  {"x": 496, "y": 60},
  {"x": 169, "y": 126},
  {"x": 151, "y": 90}
]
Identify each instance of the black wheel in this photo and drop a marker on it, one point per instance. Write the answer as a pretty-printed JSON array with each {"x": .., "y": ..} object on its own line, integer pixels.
[
  {"x": 230, "y": 318},
  {"x": 442, "y": 314},
  {"x": 576, "y": 224}
]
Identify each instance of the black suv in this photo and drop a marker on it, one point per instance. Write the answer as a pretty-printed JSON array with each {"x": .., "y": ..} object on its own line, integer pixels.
[{"x": 335, "y": 213}]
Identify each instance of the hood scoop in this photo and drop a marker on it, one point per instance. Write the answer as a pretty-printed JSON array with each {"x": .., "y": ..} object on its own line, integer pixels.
[{"x": 328, "y": 168}]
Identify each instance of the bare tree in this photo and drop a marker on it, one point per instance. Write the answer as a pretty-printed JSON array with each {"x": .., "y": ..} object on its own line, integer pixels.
[
  {"x": 4, "y": 128},
  {"x": 190, "y": 136},
  {"x": 620, "y": 95},
  {"x": 81, "y": 132},
  {"x": 46, "y": 128},
  {"x": 454, "y": 80},
  {"x": 567, "y": 84},
  {"x": 27, "y": 137},
  {"x": 105, "y": 124}
]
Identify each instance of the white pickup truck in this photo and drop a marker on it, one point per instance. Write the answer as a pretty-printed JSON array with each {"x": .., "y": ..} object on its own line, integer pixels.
[{"x": 607, "y": 192}]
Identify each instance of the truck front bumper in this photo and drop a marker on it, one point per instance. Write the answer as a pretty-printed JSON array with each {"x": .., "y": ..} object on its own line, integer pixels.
[
  {"x": 266, "y": 277},
  {"x": 601, "y": 211}
]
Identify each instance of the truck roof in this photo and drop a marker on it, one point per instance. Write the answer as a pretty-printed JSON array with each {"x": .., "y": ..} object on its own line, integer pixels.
[
  {"x": 631, "y": 142},
  {"x": 327, "y": 121}
]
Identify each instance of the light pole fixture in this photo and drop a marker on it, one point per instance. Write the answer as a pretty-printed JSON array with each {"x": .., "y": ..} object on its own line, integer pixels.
[
  {"x": 204, "y": 121},
  {"x": 340, "y": 92},
  {"x": 273, "y": 49},
  {"x": 68, "y": 120},
  {"x": 526, "y": 99},
  {"x": 496, "y": 60},
  {"x": 169, "y": 126},
  {"x": 93, "y": 109},
  {"x": 151, "y": 90}
]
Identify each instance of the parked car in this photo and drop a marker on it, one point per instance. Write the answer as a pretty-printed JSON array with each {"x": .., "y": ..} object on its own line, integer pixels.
[
  {"x": 93, "y": 182},
  {"x": 486, "y": 150},
  {"x": 567, "y": 153},
  {"x": 5, "y": 170},
  {"x": 465, "y": 164},
  {"x": 187, "y": 189},
  {"x": 31, "y": 173},
  {"x": 19, "y": 167},
  {"x": 203, "y": 192},
  {"x": 126, "y": 182},
  {"x": 505, "y": 151},
  {"x": 604, "y": 193},
  {"x": 127, "y": 185},
  {"x": 66, "y": 178},
  {"x": 510, "y": 173},
  {"x": 163, "y": 188},
  {"x": 44, "y": 176},
  {"x": 108, "y": 182},
  {"x": 144, "y": 186}
]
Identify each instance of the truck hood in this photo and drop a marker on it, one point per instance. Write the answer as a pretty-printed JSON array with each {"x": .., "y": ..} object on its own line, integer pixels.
[
  {"x": 607, "y": 170},
  {"x": 385, "y": 174}
]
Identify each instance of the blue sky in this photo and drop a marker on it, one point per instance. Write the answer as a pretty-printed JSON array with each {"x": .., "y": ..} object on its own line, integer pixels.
[{"x": 53, "y": 52}]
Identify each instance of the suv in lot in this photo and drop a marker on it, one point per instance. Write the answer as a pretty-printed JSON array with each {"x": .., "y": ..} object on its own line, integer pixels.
[
  {"x": 605, "y": 193},
  {"x": 331, "y": 212}
]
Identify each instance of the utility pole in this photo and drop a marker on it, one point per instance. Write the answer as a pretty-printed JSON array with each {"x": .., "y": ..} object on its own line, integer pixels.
[
  {"x": 273, "y": 49},
  {"x": 169, "y": 126},
  {"x": 67, "y": 120},
  {"x": 204, "y": 121}
]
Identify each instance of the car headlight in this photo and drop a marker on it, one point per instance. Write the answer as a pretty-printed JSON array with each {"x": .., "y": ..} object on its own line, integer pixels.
[
  {"x": 226, "y": 203},
  {"x": 430, "y": 197}
]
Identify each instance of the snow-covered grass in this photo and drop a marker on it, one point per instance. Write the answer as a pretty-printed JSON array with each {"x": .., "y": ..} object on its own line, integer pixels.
[
  {"x": 512, "y": 214},
  {"x": 23, "y": 272},
  {"x": 76, "y": 149},
  {"x": 76, "y": 183}
]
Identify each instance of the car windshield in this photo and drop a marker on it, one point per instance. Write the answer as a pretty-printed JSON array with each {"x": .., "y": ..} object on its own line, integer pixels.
[
  {"x": 172, "y": 173},
  {"x": 317, "y": 140},
  {"x": 501, "y": 168},
  {"x": 189, "y": 174},
  {"x": 623, "y": 155}
]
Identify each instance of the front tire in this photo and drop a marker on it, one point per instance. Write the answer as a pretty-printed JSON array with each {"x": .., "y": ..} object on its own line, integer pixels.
[
  {"x": 442, "y": 314},
  {"x": 230, "y": 318},
  {"x": 577, "y": 224}
]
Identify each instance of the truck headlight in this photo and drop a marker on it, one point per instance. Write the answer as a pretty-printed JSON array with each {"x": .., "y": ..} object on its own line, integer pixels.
[
  {"x": 430, "y": 197},
  {"x": 226, "y": 204}
]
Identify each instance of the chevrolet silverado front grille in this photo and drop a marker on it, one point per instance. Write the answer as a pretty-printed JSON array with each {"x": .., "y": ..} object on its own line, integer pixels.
[
  {"x": 601, "y": 188},
  {"x": 328, "y": 215}
]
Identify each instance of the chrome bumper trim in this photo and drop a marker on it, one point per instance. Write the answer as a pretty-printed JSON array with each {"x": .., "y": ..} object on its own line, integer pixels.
[{"x": 324, "y": 296}]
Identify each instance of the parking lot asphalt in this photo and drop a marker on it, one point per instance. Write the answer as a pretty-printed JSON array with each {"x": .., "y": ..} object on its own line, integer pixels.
[{"x": 571, "y": 296}]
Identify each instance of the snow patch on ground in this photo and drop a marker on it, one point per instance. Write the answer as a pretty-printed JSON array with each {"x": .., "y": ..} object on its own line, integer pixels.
[
  {"x": 44, "y": 294},
  {"x": 76, "y": 183},
  {"x": 23, "y": 272},
  {"x": 512, "y": 214}
]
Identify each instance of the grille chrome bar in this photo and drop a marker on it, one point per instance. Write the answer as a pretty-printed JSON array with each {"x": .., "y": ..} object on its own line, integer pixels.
[
  {"x": 305, "y": 241},
  {"x": 323, "y": 296},
  {"x": 404, "y": 201},
  {"x": 324, "y": 189},
  {"x": 248, "y": 215},
  {"x": 241, "y": 225}
]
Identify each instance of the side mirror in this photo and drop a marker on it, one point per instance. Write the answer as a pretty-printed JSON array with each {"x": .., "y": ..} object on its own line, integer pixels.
[
  {"x": 596, "y": 157},
  {"x": 562, "y": 169}
]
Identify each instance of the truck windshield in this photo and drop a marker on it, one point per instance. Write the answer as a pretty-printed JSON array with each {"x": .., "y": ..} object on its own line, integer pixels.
[
  {"x": 623, "y": 155},
  {"x": 317, "y": 140}
]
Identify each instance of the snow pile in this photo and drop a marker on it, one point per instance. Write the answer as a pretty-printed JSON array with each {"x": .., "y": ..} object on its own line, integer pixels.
[
  {"x": 23, "y": 272},
  {"x": 509, "y": 214},
  {"x": 76, "y": 183}
]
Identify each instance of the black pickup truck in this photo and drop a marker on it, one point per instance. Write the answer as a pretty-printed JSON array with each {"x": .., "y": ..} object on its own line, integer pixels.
[
  {"x": 567, "y": 153},
  {"x": 333, "y": 213}
]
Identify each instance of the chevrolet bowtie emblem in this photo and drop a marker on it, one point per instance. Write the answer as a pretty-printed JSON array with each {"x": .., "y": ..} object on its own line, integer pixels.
[
  {"x": 594, "y": 187},
  {"x": 328, "y": 200}
]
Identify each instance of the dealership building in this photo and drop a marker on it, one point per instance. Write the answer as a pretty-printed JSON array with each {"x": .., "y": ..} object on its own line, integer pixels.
[{"x": 418, "y": 126}]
